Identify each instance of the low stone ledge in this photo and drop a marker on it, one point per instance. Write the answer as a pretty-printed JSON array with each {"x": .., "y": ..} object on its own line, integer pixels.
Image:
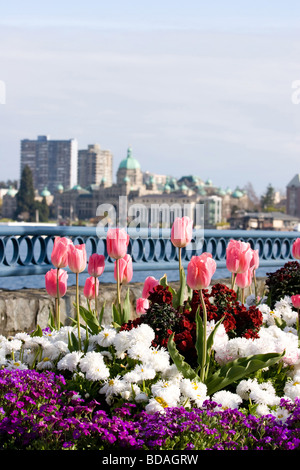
[{"x": 24, "y": 309}]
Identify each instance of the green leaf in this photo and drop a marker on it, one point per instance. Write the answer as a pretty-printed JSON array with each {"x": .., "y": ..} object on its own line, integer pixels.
[
  {"x": 37, "y": 332},
  {"x": 210, "y": 339},
  {"x": 73, "y": 343},
  {"x": 90, "y": 319},
  {"x": 116, "y": 314},
  {"x": 163, "y": 281},
  {"x": 199, "y": 336},
  {"x": 126, "y": 309},
  {"x": 179, "y": 361},
  {"x": 101, "y": 314},
  {"x": 238, "y": 369}
]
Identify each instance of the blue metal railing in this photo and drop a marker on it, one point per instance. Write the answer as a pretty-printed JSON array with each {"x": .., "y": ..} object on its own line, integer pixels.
[{"x": 26, "y": 250}]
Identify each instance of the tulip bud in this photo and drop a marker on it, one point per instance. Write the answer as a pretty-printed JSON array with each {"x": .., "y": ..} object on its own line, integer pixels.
[
  {"x": 125, "y": 269},
  {"x": 96, "y": 265},
  {"x": 90, "y": 286},
  {"x": 200, "y": 271},
  {"x": 77, "y": 258},
  {"x": 51, "y": 282},
  {"x": 296, "y": 249},
  {"x": 59, "y": 255},
  {"x": 182, "y": 231},
  {"x": 244, "y": 280},
  {"x": 238, "y": 256},
  {"x": 149, "y": 284},
  {"x": 117, "y": 241},
  {"x": 142, "y": 305}
]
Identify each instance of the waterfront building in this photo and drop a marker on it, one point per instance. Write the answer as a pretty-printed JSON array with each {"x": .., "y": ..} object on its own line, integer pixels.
[
  {"x": 52, "y": 162},
  {"x": 293, "y": 196},
  {"x": 95, "y": 166}
]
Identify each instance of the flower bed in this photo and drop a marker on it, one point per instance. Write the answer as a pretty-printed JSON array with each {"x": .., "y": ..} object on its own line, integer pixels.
[{"x": 201, "y": 368}]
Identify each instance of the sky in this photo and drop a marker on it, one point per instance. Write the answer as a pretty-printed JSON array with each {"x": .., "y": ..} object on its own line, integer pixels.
[{"x": 194, "y": 87}]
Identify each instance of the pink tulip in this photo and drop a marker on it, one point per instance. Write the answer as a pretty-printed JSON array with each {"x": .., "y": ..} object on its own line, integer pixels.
[
  {"x": 117, "y": 241},
  {"x": 96, "y": 265},
  {"x": 51, "y": 282},
  {"x": 296, "y": 300},
  {"x": 254, "y": 260},
  {"x": 59, "y": 255},
  {"x": 149, "y": 284},
  {"x": 200, "y": 271},
  {"x": 296, "y": 249},
  {"x": 77, "y": 258},
  {"x": 90, "y": 286},
  {"x": 182, "y": 231},
  {"x": 142, "y": 305},
  {"x": 238, "y": 256},
  {"x": 125, "y": 269},
  {"x": 244, "y": 280}
]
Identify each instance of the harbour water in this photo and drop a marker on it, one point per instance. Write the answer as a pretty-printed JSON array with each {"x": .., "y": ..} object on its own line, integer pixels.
[{"x": 38, "y": 281}]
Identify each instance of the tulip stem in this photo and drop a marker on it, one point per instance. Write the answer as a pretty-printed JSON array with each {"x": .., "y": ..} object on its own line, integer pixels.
[
  {"x": 96, "y": 303},
  {"x": 77, "y": 307},
  {"x": 57, "y": 301},
  {"x": 233, "y": 278},
  {"x": 298, "y": 324},
  {"x": 118, "y": 283},
  {"x": 204, "y": 352},
  {"x": 243, "y": 296},
  {"x": 255, "y": 287},
  {"x": 180, "y": 265}
]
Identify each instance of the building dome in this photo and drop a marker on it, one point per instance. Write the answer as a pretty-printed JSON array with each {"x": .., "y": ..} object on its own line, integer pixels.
[
  {"x": 129, "y": 163},
  {"x": 237, "y": 194},
  {"x": 60, "y": 187},
  {"x": 45, "y": 192},
  {"x": 11, "y": 191},
  {"x": 77, "y": 187}
]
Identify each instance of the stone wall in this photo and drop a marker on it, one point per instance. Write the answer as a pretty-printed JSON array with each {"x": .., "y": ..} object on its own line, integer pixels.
[{"x": 22, "y": 310}]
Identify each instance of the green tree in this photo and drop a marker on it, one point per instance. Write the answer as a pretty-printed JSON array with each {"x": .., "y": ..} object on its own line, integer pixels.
[
  {"x": 268, "y": 199},
  {"x": 25, "y": 196},
  {"x": 43, "y": 210}
]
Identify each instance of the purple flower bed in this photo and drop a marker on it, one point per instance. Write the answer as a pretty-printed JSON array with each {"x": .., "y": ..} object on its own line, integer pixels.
[{"x": 37, "y": 411}]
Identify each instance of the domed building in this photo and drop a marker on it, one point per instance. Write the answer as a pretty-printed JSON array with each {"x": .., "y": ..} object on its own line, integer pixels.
[{"x": 130, "y": 171}]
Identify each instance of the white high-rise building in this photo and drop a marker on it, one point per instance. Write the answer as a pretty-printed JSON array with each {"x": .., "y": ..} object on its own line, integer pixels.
[{"x": 53, "y": 162}]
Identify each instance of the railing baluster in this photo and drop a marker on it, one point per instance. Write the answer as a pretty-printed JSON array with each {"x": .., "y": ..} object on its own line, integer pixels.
[{"x": 26, "y": 250}]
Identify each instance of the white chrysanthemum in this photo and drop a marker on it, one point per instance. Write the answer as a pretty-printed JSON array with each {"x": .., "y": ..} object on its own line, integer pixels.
[
  {"x": 130, "y": 391},
  {"x": 142, "y": 334},
  {"x": 167, "y": 391},
  {"x": 264, "y": 394},
  {"x": 227, "y": 400},
  {"x": 220, "y": 338},
  {"x": 113, "y": 386},
  {"x": 292, "y": 388},
  {"x": 138, "y": 351},
  {"x": 45, "y": 364},
  {"x": 141, "y": 397},
  {"x": 139, "y": 373},
  {"x": 105, "y": 337},
  {"x": 155, "y": 405},
  {"x": 70, "y": 361},
  {"x": 262, "y": 410},
  {"x": 56, "y": 349},
  {"x": 171, "y": 373},
  {"x": 13, "y": 346},
  {"x": 24, "y": 337},
  {"x": 194, "y": 390},
  {"x": 11, "y": 365},
  {"x": 281, "y": 414},
  {"x": 245, "y": 387},
  {"x": 158, "y": 358},
  {"x": 92, "y": 364},
  {"x": 122, "y": 342}
]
